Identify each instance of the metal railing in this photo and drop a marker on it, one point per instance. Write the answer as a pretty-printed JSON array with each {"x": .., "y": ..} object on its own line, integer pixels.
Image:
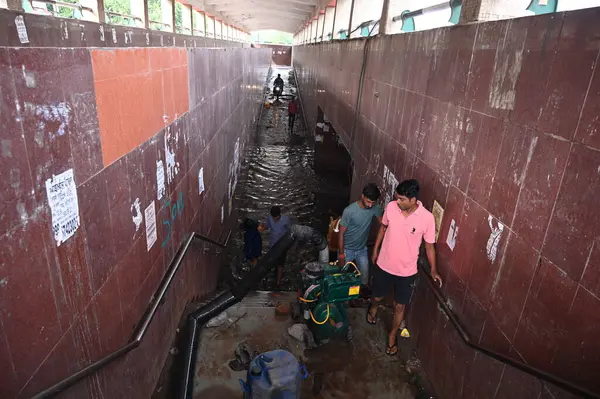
[
  {"x": 526, "y": 368},
  {"x": 141, "y": 327}
]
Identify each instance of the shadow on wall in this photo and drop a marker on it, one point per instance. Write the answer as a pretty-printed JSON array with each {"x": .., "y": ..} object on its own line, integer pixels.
[
  {"x": 504, "y": 136},
  {"x": 112, "y": 157}
]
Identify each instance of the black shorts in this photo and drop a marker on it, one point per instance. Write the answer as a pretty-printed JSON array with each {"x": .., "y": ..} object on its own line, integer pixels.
[
  {"x": 384, "y": 282},
  {"x": 281, "y": 260}
]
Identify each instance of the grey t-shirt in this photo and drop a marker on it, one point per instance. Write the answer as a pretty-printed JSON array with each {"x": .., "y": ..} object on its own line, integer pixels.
[{"x": 357, "y": 221}]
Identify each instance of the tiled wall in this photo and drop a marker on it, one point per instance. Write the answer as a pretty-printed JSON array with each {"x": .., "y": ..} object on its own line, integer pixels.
[
  {"x": 111, "y": 115},
  {"x": 499, "y": 123}
]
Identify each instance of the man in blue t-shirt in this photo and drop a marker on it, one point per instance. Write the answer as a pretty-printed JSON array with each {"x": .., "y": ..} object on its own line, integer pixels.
[
  {"x": 277, "y": 225},
  {"x": 355, "y": 227}
]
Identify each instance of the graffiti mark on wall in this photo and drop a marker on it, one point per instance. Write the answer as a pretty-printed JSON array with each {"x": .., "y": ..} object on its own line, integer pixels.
[
  {"x": 137, "y": 213},
  {"x": 172, "y": 165},
  {"x": 53, "y": 118},
  {"x": 175, "y": 211}
]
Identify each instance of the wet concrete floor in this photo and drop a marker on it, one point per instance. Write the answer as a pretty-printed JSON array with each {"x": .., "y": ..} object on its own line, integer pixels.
[
  {"x": 277, "y": 169},
  {"x": 358, "y": 369}
]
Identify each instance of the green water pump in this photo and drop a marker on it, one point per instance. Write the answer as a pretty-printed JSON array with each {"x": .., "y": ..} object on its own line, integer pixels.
[{"x": 322, "y": 299}]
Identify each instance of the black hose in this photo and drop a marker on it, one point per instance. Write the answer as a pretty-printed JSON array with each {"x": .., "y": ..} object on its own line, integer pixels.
[{"x": 201, "y": 316}]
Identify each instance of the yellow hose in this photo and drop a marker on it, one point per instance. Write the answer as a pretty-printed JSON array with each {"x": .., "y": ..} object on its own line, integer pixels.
[
  {"x": 306, "y": 300},
  {"x": 320, "y": 322},
  {"x": 355, "y": 267}
]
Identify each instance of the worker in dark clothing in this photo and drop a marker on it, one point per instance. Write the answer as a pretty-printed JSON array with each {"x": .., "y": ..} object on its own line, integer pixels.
[
  {"x": 278, "y": 87},
  {"x": 278, "y": 81},
  {"x": 252, "y": 241},
  {"x": 292, "y": 113}
]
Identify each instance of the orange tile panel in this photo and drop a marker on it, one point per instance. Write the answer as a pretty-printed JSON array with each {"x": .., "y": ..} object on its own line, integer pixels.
[{"x": 109, "y": 119}]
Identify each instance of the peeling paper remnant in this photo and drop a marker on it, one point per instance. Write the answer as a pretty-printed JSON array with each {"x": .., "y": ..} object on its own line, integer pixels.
[
  {"x": 150, "y": 216},
  {"x": 172, "y": 166},
  {"x": 452, "y": 234},
  {"x": 160, "y": 180},
  {"x": 201, "y": 181},
  {"x": 494, "y": 239},
  {"x": 137, "y": 213}
]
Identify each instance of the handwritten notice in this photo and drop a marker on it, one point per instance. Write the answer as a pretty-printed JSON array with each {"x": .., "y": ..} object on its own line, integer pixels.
[
  {"x": 160, "y": 179},
  {"x": 150, "y": 216},
  {"x": 64, "y": 208},
  {"x": 452, "y": 233},
  {"x": 201, "y": 181},
  {"x": 21, "y": 29},
  {"x": 438, "y": 215}
]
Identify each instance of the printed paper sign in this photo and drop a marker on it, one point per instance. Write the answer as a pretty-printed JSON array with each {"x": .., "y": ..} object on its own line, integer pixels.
[
  {"x": 438, "y": 215},
  {"x": 160, "y": 179},
  {"x": 452, "y": 233},
  {"x": 21, "y": 29},
  {"x": 150, "y": 215},
  {"x": 201, "y": 180},
  {"x": 64, "y": 208}
]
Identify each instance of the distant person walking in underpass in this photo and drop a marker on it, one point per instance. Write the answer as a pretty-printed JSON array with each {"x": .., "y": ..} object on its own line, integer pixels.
[{"x": 292, "y": 108}]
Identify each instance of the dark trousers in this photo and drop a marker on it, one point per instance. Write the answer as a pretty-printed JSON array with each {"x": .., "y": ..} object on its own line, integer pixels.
[{"x": 291, "y": 120}]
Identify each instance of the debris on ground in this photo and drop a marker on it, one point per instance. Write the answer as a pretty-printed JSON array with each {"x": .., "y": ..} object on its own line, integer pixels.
[
  {"x": 243, "y": 356},
  {"x": 283, "y": 309},
  {"x": 298, "y": 331},
  {"x": 218, "y": 320}
]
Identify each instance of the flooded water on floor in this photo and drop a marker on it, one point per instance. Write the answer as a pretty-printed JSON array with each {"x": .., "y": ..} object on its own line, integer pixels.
[{"x": 278, "y": 171}]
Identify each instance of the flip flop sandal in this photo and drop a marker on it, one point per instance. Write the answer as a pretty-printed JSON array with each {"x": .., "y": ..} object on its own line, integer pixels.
[
  {"x": 370, "y": 319},
  {"x": 389, "y": 350}
]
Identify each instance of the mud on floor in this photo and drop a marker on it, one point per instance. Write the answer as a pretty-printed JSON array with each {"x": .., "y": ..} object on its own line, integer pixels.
[{"x": 352, "y": 370}]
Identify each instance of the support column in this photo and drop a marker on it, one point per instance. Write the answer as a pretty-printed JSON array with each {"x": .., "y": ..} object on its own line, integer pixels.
[
  {"x": 167, "y": 8},
  {"x": 351, "y": 16},
  {"x": 13, "y": 5},
  {"x": 385, "y": 20},
  {"x": 139, "y": 8},
  {"x": 492, "y": 10}
]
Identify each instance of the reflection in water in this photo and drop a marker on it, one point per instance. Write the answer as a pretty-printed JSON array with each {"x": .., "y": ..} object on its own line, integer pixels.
[{"x": 278, "y": 170}]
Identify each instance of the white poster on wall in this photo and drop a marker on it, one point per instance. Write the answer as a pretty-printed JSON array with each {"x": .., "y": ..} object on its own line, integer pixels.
[
  {"x": 64, "y": 207},
  {"x": 150, "y": 216},
  {"x": 21, "y": 29}
]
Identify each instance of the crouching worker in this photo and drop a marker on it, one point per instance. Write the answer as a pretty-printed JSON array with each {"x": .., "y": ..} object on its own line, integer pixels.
[
  {"x": 278, "y": 225},
  {"x": 252, "y": 241}
]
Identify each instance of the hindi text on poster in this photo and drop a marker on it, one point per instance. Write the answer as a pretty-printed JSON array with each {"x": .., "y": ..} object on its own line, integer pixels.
[{"x": 64, "y": 208}]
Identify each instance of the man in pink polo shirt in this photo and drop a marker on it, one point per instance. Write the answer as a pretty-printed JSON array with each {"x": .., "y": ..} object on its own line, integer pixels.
[{"x": 405, "y": 224}]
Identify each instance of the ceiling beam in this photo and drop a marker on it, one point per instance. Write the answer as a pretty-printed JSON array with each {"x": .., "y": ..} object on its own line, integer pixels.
[{"x": 258, "y": 3}]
